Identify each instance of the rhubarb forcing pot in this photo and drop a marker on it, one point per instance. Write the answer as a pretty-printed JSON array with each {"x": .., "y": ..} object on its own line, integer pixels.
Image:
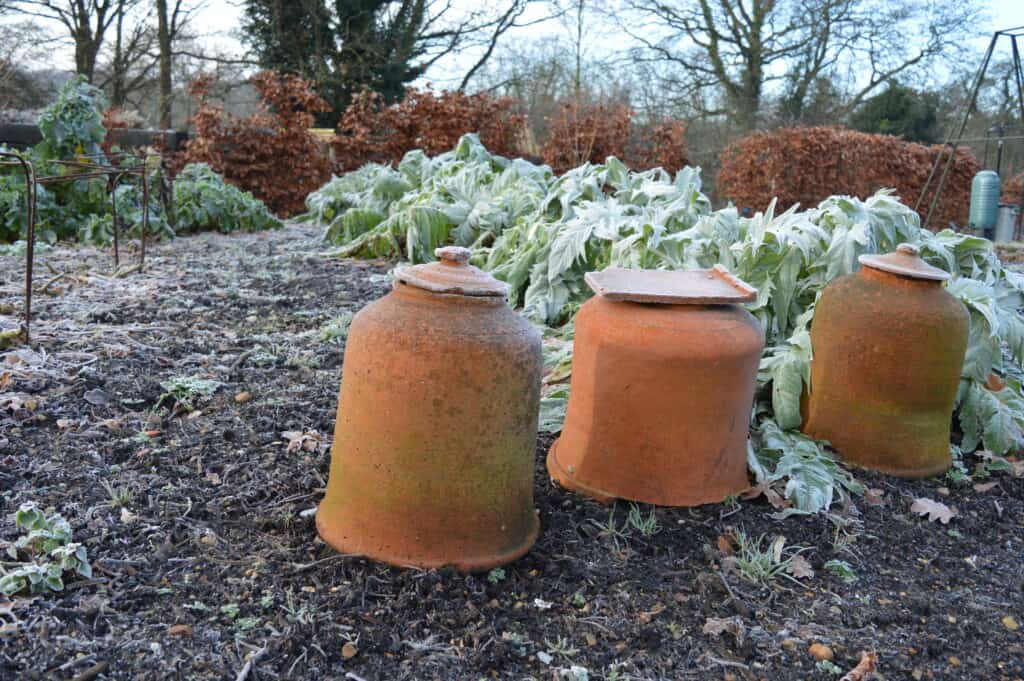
[
  {"x": 664, "y": 371},
  {"x": 432, "y": 462},
  {"x": 888, "y": 348}
]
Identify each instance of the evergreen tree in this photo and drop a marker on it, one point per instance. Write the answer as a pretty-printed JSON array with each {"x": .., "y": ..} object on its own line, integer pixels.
[
  {"x": 291, "y": 36},
  {"x": 344, "y": 46},
  {"x": 899, "y": 111}
]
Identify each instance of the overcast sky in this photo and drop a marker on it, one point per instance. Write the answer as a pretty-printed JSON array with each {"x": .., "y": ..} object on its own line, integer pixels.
[{"x": 219, "y": 22}]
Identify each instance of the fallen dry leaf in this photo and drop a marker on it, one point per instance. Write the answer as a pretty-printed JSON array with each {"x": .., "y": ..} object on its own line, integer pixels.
[
  {"x": 820, "y": 651},
  {"x": 127, "y": 517},
  {"x": 716, "y": 626},
  {"x": 874, "y": 497},
  {"x": 243, "y": 397},
  {"x": 725, "y": 545},
  {"x": 984, "y": 487},
  {"x": 867, "y": 665},
  {"x": 97, "y": 397},
  {"x": 773, "y": 497},
  {"x": 800, "y": 567},
  {"x": 1010, "y": 623},
  {"x": 349, "y": 650},
  {"x": 306, "y": 441},
  {"x": 179, "y": 630},
  {"x": 933, "y": 509}
]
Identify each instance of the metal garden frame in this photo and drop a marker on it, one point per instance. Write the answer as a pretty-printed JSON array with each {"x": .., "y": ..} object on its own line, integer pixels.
[
  {"x": 85, "y": 168},
  {"x": 955, "y": 138}
]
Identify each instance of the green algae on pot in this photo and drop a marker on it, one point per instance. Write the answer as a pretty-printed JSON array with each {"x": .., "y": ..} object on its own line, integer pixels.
[
  {"x": 889, "y": 345},
  {"x": 432, "y": 462}
]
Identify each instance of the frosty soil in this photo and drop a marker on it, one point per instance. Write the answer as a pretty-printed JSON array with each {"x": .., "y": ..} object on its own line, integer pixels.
[{"x": 209, "y": 562}]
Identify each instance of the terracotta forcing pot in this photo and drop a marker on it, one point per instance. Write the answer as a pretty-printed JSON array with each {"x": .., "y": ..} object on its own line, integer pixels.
[
  {"x": 432, "y": 462},
  {"x": 664, "y": 371},
  {"x": 888, "y": 346}
]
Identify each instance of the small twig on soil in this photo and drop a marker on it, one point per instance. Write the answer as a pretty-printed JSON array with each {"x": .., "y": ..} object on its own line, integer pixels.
[
  {"x": 298, "y": 567},
  {"x": 250, "y": 663},
  {"x": 92, "y": 672},
  {"x": 53, "y": 280},
  {"x": 237, "y": 364},
  {"x": 128, "y": 270},
  {"x": 298, "y": 497},
  {"x": 738, "y": 604},
  {"x": 726, "y": 663}
]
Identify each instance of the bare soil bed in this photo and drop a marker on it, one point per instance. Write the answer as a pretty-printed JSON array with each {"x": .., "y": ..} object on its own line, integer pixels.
[{"x": 207, "y": 564}]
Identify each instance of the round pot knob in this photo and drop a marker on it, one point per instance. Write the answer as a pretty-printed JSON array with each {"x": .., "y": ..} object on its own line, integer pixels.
[{"x": 455, "y": 255}]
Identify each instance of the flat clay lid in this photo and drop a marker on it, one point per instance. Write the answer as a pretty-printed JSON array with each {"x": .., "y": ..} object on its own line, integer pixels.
[
  {"x": 452, "y": 273},
  {"x": 690, "y": 287},
  {"x": 906, "y": 262}
]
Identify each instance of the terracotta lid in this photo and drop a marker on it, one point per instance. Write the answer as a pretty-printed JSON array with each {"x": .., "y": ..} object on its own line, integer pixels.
[
  {"x": 452, "y": 273},
  {"x": 689, "y": 287},
  {"x": 906, "y": 262}
]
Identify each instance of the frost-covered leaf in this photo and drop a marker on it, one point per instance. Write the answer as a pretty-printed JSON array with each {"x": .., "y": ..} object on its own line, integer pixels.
[
  {"x": 936, "y": 511},
  {"x": 800, "y": 567}
]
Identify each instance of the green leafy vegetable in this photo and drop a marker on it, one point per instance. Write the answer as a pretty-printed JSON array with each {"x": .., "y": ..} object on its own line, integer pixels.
[{"x": 203, "y": 201}]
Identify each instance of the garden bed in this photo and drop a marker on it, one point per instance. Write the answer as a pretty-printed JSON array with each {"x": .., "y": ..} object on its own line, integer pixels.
[{"x": 206, "y": 563}]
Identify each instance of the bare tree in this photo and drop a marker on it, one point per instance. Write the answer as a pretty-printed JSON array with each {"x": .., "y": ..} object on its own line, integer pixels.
[
  {"x": 490, "y": 31},
  {"x": 130, "y": 66},
  {"x": 86, "y": 21},
  {"x": 725, "y": 54}
]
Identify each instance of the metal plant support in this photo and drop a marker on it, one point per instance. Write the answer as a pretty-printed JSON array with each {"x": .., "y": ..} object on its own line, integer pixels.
[
  {"x": 956, "y": 135},
  {"x": 89, "y": 167}
]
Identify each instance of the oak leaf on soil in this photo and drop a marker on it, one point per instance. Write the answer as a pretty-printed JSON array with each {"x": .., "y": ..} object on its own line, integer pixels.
[
  {"x": 800, "y": 567},
  {"x": 933, "y": 509},
  {"x": 867, "y": 665}
]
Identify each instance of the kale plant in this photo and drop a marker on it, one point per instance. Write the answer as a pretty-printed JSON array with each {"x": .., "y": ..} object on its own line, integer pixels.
[{"x": 203, "y": 201}]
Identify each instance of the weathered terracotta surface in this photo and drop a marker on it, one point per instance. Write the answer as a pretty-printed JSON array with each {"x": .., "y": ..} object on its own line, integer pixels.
[
  {"x": 660, "y": 400},
  {"x": 888, "y": 353},
  {"x": 696, "y": 287},
  {"x": 432, "y": 462}
]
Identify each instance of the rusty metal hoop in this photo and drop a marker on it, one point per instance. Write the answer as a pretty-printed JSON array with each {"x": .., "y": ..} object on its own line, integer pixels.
[{"x": 91, "y": 167}]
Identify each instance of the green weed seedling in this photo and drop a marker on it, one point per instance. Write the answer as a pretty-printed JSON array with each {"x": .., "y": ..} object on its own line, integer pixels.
[
  {"x": 842, "y": 570},
  {"x": 612, "y": 530},
  {"x": 336, "y": 329},
  {"x": 188, "y": 390},
  {"x": 647, "y": 525},
  {"x": 762, "y": 563},
  {"x": 117, "y": 496},
  {"x": 43, "y": 554}
]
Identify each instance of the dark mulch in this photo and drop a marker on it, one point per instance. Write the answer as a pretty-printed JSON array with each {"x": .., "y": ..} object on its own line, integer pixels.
[{"x": 215, "y": 533}]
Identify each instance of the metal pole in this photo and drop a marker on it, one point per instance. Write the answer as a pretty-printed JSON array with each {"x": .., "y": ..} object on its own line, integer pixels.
[
  {"x": 112, "y": 182},
  {"x": 1019, "y": 76},
  {"x": 963, "y": 125},
  {"x": 145, "y": 214},
  {"x": 30, "y": 235}
]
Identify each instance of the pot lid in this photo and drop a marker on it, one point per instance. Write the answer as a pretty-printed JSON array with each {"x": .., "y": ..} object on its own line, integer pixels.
[
  {"x": 906, "y": 262},
  {"x": 452, "y": 273},
  {"x": 681, "y": 287}
]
